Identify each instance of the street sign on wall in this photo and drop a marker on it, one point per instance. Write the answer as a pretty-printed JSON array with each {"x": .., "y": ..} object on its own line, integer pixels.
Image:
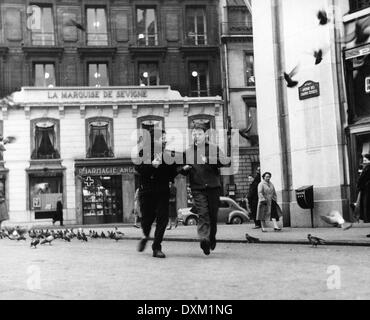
[{"x": 309, "y": 89}]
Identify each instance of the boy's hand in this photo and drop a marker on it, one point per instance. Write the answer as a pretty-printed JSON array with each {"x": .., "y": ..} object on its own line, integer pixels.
[{"x": 186, "y": 168}]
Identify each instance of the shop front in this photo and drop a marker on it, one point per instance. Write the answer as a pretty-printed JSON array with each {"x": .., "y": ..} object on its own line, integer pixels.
[
  {"x": 357, "y": 63},
  {"x": 104, "y": 191}
]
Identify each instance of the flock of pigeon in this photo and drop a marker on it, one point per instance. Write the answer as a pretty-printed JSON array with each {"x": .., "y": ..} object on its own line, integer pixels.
[
  {"x": 314, "y": 241},
  {"x": 360, "y": 35},
  {"x": 41, "y": 237}
]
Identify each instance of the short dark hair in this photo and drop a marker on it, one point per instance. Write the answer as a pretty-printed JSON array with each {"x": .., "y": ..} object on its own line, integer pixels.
[
  {"x": 367, "y": 156},
  {"x": 265, "y": 174}
]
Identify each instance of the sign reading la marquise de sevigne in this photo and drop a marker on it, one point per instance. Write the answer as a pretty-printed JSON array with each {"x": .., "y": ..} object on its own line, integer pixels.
[{"x": 97, "y": 94}]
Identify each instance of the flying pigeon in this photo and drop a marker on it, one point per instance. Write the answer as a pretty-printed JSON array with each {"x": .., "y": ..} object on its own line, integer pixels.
[
  {"x": 72, "y": 22},
  {"x": 251, "y": 239},
  {"x": 336, "y": 220},
  {"x": 323, "y": 17},
  {"x": 289, "y": 78},
  {"x": 315, "y": 241}
]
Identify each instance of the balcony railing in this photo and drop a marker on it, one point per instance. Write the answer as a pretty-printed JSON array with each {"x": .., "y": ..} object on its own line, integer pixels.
[
  {"x": 357, "y": 5},
  {"x": 237, "y": 28},
  {"x": 43, "y": 38},
  {"x": 147, "y": 40},
  {"x": 97, "y": 39}
]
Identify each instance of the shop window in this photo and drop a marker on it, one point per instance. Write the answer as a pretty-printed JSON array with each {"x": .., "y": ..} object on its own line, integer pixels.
[
  {"x": 100, "y": 138},
  {"x": 44, "y": 75},
  {"x": 358, "y": 81},
  {"x": 42, "y": 26},
  {"x": 149, "y": 74},
  {"x": 356, "y": 5},
  {"x": 44, "y": 193},
  {"x": 98, "y": 75},
  {"x": 196, "y": 26},
  {"x": 97, "y": 34},
  {"x": 199, "y": 79},
  {"x": 146, "y": 27},
  {"x": 45, "y": 139},
  {"x": 102, "y": 199},
  {"x": 249, "y": 70}
]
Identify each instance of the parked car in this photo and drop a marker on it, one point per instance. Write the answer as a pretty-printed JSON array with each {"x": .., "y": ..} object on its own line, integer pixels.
[{"x": 230, "y": 213}]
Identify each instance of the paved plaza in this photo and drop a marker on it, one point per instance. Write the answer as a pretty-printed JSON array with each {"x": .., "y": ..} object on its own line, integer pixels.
[{"x": 106, "y": 269}]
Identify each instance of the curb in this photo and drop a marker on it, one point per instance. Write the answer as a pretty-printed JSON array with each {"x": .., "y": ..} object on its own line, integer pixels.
[{"x": 264, "y": 242}]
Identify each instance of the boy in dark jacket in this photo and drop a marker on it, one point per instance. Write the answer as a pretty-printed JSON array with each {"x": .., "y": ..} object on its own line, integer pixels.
[
  {"x": 203, "y": 163},
  {"x": 154, "y": 193}
]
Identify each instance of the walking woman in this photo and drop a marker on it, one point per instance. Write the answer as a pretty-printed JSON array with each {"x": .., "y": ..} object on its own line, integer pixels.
[
  {"x": 268, "y": 209},
  {"x": 3, "y": 209}
]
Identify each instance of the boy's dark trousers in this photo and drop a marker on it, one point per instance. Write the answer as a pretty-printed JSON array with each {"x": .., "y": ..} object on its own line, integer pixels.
[
  {"x": 154, "y": 205},
  {"x": 207, "y": 203}
]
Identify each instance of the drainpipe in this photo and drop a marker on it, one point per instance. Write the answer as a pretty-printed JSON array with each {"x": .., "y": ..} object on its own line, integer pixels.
[
  {"x": 283, "y": 114},
  {"x": 342, "y": 102}
]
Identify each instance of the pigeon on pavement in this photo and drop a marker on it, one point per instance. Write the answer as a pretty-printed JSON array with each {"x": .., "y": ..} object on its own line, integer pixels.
[{"x": 315, "y": 241}]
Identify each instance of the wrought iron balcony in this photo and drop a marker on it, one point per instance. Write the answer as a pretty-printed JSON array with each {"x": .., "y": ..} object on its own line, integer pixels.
[
  {"x": 357, "y": 5},
  {"x": 237, "y": 29}
]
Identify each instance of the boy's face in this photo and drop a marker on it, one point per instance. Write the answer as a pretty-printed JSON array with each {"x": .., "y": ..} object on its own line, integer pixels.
[{"x": 199, "y": 136}]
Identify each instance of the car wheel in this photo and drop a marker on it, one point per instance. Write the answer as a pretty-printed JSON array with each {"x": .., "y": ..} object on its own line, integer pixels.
[
  {"x": 236, "y": 220},
  {"x": 191, "y": 221}
]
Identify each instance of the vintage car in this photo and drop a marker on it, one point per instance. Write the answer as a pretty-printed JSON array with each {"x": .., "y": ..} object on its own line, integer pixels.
[{"x": 230, "y": 213}]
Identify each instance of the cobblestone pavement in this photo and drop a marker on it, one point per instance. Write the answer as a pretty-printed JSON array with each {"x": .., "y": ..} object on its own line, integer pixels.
[{"x": 105, "y": 269}]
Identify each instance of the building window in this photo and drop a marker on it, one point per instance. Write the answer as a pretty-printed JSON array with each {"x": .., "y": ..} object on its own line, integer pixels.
[
  {"x": 149, "y": 74},
  {"x": 44, "y": 75},
  {"x": 2, "y": 149},
  {"x": 251, "y": 127},
  {"x": 149, "y": 123},
  {"x": 42, "y": 26},
  {"x": 97, "y": 34},
  {"x": 45, "y": 139},
  {"x": 100, "y": 138},
  {"x": 199, "y": 79},
  {"x": 239, "y": 20},
  {"x": 249, "y": 70},
  {"x": 356, "y": 5},
  {"x": 98, "y": 75},
  {"x": 146, "y": 27},
  {"x": 196, "y": 26}
]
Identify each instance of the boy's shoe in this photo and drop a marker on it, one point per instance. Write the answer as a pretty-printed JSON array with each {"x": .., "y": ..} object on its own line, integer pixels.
[
  {"x": 158, "y": 254},
  {"x": 142, "y": 244},
  {"x": 213, "y": 245},
  {"x": 205, "y": 245}
]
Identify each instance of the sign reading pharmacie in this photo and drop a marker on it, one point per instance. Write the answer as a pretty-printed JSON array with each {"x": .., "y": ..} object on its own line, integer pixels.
[
  {"x": 105, "y": 171},
  {"x": 309, "y": 89},
  {"x": 80, "y": 95}
]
